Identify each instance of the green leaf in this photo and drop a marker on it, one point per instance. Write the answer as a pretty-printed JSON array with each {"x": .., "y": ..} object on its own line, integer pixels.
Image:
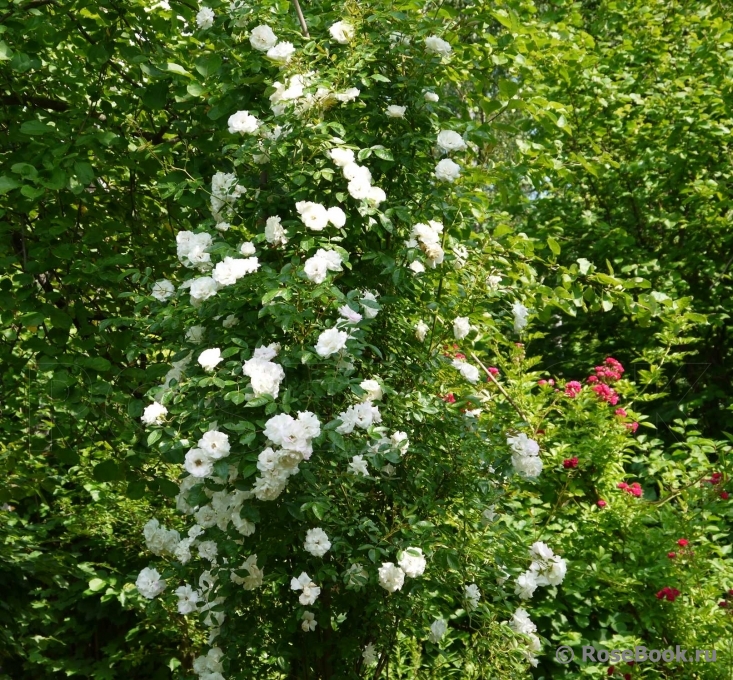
[
  {"x": 136, "y": 490},
  {"x": 35, "y": 127},
  {"x": 554, "y": 245},
  {"x": 5, "y": 51},
  {"x": 96, "y": 584},
  {"x": 208, "y": 64},
  {"x": 169, "y": 488},
  {"x": 7, "y": 184},
  {"x": 107, "y": 471}
]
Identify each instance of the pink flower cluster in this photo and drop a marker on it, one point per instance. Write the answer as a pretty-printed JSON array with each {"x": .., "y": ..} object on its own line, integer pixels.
[
  {"x": 669, "y": 594},
  {"x": 605, "y": 393},
  {"x": 611, "y": 371},
  {"x": 572, "y": 389},
  {"x": 634, "y": 489}
]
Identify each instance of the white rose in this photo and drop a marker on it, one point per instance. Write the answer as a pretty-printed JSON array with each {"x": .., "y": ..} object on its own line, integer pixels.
[
  {"x": 450, "y": 141},
  {"x": 154, "y": 414},
  {"x": 341, "y": 157},
  {"x": 162, "y": 290},
  {"x": 209, "y": 358},
  {"x": 282, "y": 52},
  {"x": 274, "y": 232},
  {"x": 461, "y": 327},
  {"x": 394, "y": 111},
  {"x": 316, "y": 542},
  {"x": 412, "y": 562},
  {"x": 417, "y": 266},
  {"x": 247, "y": 248},
  {"x": 421, "y": 330},
  {"x": 198, "y": 463},
  {"x": 447, "y": 171},
  {"x": 243, "y": 122},
  {"x": 336, "y": 217},
  {"x": 436, "y": 45},
  {"x": 431, "y": 97},
  {"x": 342, "y": 32},
  {"x": 331, "y": 341},
  {"x": 313, "y": 215},
  {"x": 205, "y": 18},
  {"x": 391, "y": 578},
  {"x": 262, "y": 38},
  {"x": 373, "y": 390}
]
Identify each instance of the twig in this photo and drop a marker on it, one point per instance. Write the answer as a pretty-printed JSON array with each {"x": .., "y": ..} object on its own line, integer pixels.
[
  {"x": 301, "y": 18},
  {"x": 501, "y": 389}
]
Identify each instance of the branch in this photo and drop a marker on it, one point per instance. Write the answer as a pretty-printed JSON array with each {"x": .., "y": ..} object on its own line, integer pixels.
[
  {"x": 501, "y": 389},
  {"x": 40, "y": 102},
  {"x": 31, "y": 5},
  {"x": 301, "y": 18}
]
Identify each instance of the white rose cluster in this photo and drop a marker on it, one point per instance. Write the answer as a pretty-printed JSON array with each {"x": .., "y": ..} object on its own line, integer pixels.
[
  {"x": 213, "y": 446},
  {"x": 461, "y": 327},
  {"x": 192, "y": 249},
  {"x": 159, "y": 540},
  {"x": 448, "y": 141},
  {"x": 473, "y": 595},
  {"x": 436, "y": 45},
  {"x": 428, "y": 237},
  {"x": 294, "y": 438},
  {"x": 411, "y": 564},
  {"x": 331, "y": 341},
  {"x": 316, "y": 217},
  {"x": 254, "y": 577},
  {"x": 447, "y": 170},
  {"x": 358, "y": 176},
  {"x": 520, "y": 313},
  {"x": 525, "y": 455},
  {"x": 362, "y": 415},
  {"x": 264, "y": 373},
  {"x": 522, "y": 624},
  {"x": 324, "y": 261},
  {"x": 546, "y": 569},
  {"x": 342, "y": 32},
  {"x": 205, "y": 18},
  {"x": 274, "y": 231},
  {"x": 231, "y": 269},
  {"x": 162, "y": 290},
  {"x": 154, "y": 414}
]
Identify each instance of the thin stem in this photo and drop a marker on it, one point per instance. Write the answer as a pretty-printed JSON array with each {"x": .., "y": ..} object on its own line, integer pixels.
[
  {"x": 301, "y": 18},
  {"x": 501, "y": 389}
]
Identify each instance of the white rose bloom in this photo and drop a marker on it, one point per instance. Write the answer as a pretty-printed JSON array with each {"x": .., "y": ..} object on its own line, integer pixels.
[
  {"x": 162, "y": 290},
  {"x": 355, "y": 171},
  {"x": 394, "y": 111},
  {"x": 359, "y": 188},
  {"x": 359, "y": 466},
  {"x": 154, "y": 414},
  {"x": 412, "y": 562},
  {"x": 557, "y": 570},
  {"x": 309, "y": 622},
  {"x": 202, "y": 289},
  {"x": 192, "y": 249},
  {"x": 222, "y": 226},
  {"x": 183, "y": 550},
  {"x": 362, "y": 415},
  {"x": 331, "y": 341},
  {"x": 520, "y": 316},
  {"x": 209, "y": 358},
  {"x": 149, "y": 583},
  {"x": 527, "y": 466},
  {"x": 348, "y": 95},
  {"x": 438, "y": 629},
  {"x": 421, "y": 330},
  {"x": 523, "y": 445},
  {"x": 266, "y": 375},
  {"x": 195, "y": 334},
  {"x": 526, "y": 585},
  {"x": 274, "y": 232},
  {"x": 521, "y": 623},
  {"x": 469, "y": 372},
  {"x": 369, "y": 312},
  {"x": 231, "y": 269},
  {"x": 205, "y": 18},
  {"x": 493, "y": 282},
  {"x": 431, "y": 97},
  {"x": 187, "y": 599},
  {"x": 336, "y": 216},
  {"x": 208, "y": 550},
  {"x": 417, "y": 266},
  {"x": 447, "y": 171},
  {"x": 341, "y": 157},
  {"x": 215, "y": 444},
  {"x": 262, "y": 38},
  {"x": 541, "y": 550},
  {"x": 450, "y": 141},
  {"x": 473, "y": 595},
  {"x": 321, "y": 263},
  {"x": 316, "y": 542},
  {"x": 342, "y": 32},
  {"x": 198, "y": 463},
  {"x": 376, "y": 195},
  {"x": 436, "y": 45},
  {"x": 370, "y": 655},
  {"x": 248, "y": 249},
  {"x": 373, "y": 390},
  {"x": 230, "y": 321},
  {"x": 461, "y": 327},
  {"x": 310, "y": 590},
  {"x": 313, "y": 215},
  {"x": 243, "y": 122},
  {"x": 281, "y": 53},
  {"x": 391, "y": 578},
  {"x": 400, "y": 442},
  {"x": 349, "y": 314}
]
